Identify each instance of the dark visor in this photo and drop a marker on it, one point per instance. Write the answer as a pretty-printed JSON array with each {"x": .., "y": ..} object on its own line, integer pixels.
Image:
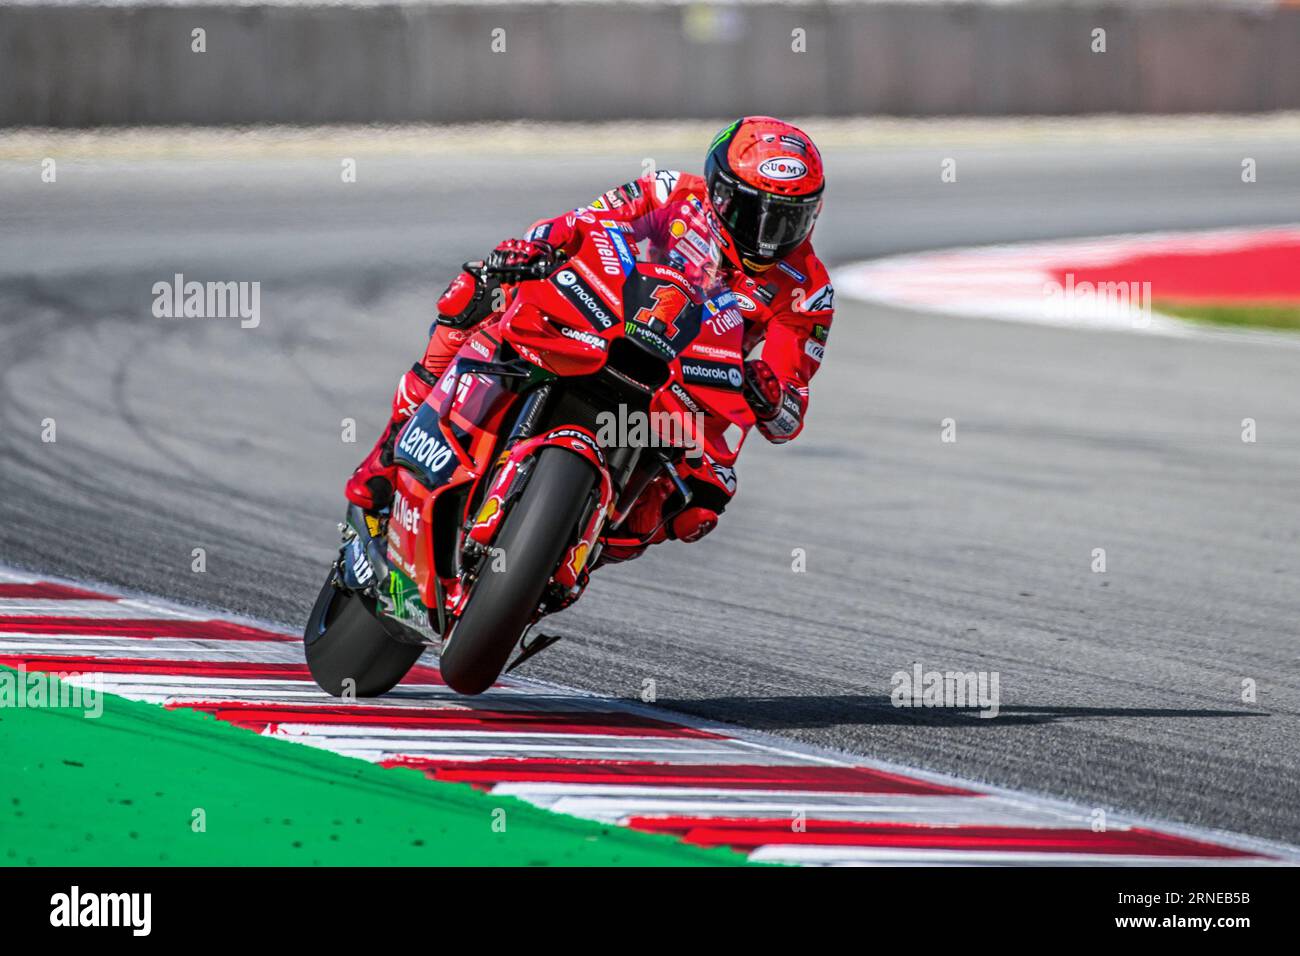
[{"x": 763, "y": 225}]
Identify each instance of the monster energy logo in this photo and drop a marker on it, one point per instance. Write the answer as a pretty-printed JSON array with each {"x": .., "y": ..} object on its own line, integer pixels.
[
  {"x": 649, "y": 336},
  {"x": 726, "y": 131},
  {"x": 406, "y": 607}
]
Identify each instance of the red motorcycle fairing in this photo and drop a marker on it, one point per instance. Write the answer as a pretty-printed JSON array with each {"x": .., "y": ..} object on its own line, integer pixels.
[
  {"x": 457, "y": 427},
  {"x": 574, "y": 439},
  {"x": 568, "y": 324}
]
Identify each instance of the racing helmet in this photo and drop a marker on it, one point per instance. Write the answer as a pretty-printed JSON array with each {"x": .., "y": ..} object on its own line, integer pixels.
[{"x": 765, "y": 183}]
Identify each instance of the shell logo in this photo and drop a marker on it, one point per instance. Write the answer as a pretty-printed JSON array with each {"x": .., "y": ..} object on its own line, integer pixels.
[
  {"x": 579, "y": 558},
  {"x": 677, "y": 228},
  {"x": 489, "y": 511}
]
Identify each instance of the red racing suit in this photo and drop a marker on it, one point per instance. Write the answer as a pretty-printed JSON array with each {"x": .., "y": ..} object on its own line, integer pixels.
[{"x": 787, "y": 309}]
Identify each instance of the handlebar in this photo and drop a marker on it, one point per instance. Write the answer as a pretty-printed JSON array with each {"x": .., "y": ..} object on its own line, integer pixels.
[{"x": 539, "y": 269}]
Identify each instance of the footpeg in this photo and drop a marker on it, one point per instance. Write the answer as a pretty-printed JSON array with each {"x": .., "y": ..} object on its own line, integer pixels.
[{"x": 528, "y": 648}]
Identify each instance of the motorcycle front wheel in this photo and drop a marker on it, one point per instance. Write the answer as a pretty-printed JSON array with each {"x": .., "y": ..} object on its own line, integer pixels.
[{"x": 533, "y": 538}]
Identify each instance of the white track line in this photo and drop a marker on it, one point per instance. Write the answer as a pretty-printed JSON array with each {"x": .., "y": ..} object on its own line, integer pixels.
[
  {"x": 871, "y": 856},
  {"x": 1007, "y": 282},
  {"x": 612, "y": 802}
]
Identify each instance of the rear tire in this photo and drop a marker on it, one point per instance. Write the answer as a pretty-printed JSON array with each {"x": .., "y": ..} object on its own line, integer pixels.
[
  {"x": 534, "y": 537},
  {"x": 344, "y": 641}
]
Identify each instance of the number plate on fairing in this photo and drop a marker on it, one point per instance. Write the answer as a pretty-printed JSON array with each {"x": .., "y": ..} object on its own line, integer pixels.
[{"x": 659, "y": 314}]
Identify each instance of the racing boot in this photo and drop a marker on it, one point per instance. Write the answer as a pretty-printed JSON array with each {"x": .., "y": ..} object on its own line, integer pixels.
[
  {"x": 645, "y": 525},
  {"x": 371, "y": 484},
  {"x": 464, "y": 304}
]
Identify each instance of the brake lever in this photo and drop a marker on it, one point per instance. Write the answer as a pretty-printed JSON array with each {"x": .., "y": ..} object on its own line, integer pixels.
[
  {"x": 545, "y": 267},
  {"x": 534, "y": 270}
]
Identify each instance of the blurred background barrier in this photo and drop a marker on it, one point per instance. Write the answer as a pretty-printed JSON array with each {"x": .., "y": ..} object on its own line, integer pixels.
[{"x": 87, "y": 64}]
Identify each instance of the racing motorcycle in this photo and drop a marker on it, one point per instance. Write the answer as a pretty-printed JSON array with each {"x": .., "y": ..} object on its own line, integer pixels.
[{"x": 511, "y": 481}]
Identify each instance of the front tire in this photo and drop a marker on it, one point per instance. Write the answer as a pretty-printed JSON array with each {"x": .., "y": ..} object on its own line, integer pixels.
[
  {"x": 534, "y": 537},
  {"x": 347, "y": 647}
]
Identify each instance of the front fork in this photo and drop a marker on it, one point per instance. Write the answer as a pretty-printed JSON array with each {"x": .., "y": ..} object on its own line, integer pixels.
[
  {"x": 570, "y": 577},
  {"x": 363, "y": 560}
]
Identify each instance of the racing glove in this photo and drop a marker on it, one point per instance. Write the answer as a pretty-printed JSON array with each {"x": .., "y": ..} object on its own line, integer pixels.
[
  {"x": 521, "y": 254},
  {"x": 778, "y": 407},
  {"x": 762, "y": 390},
  {"x": 467, "y": 301}
]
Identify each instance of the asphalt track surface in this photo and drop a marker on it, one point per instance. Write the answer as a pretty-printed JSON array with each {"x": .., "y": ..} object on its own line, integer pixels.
[{"x": 1119, "y": 690}]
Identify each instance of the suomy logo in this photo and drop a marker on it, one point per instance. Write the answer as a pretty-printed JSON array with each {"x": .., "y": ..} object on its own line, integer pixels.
[{"x": 783, "y": 167}]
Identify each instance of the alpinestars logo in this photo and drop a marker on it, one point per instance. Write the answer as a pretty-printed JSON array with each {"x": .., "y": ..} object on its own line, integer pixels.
[
  {"x": 820, "y": 301},
  {"x": 725, "y": 475},
  {"x": 582, "y": 295},
  {"x": 665, "y": 183}
]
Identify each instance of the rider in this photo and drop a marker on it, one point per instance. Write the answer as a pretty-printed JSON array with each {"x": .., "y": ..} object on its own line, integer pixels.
[{"x": 753, "y": 209}]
